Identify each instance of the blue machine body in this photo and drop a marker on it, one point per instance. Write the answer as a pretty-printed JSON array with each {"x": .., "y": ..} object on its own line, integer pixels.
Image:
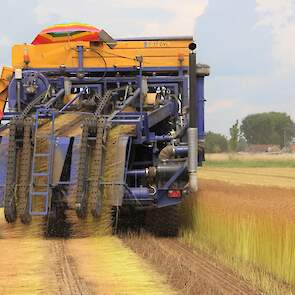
[{"x": 147, "y": 137}]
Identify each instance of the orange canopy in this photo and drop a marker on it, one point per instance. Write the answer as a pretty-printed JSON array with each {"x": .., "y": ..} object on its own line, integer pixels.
[{"x": 67, "y": 32}]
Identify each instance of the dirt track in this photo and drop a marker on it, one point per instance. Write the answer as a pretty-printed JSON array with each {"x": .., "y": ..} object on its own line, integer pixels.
[
  {"x": 105, "y": 266},
  {"x": 31, "y": 264},
  {"x": 190, "y": 271},
  {"x": 67, "y": 278}
]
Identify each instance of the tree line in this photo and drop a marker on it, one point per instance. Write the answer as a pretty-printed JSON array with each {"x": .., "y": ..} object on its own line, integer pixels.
[{"x": 273, "y": 128}]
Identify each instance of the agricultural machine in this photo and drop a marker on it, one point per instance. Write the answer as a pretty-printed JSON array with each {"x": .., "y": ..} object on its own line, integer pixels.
[{"x": 91, "y": 121}]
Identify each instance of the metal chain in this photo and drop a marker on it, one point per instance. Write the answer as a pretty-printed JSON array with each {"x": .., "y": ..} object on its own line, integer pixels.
[
  {"x": 24, "y": 176},
  {"x": 9, "y": 197},
  {"x": 28, "y": 108},
  {"x": 95, "y": 170},
  {"x": 103, "y": 101},
  {"x": 81, "y": 197},
  {"x": 83, "y": 194}
]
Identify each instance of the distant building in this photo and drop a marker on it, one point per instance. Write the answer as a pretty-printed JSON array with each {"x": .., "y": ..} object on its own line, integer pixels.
[
  {"x": 292, "y": 148},
  {"x": 263, "y": 148}
]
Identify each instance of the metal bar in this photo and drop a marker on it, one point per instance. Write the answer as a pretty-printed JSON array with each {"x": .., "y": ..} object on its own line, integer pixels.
[
  {"x": 163, "y": 138},
  {"x": 137, "y": 173},
  {"x": 167, "y": 170},
  {"x": 127, "y": 158},
  {"x": 97, "y": 81},
  {"x": 18, "y": 94},
  {"x": 72, "y": 101},
  {"x": 59, "y": 94},
  {"x": 126, "y": 103},
  {"x": 193, "y": 121},
  {"x": 80, "y": 50},
  {"x": 181, "y": 150},
  {"x": 140, "y": 192},
  {"x": 200, "y": 107},
  {"x": 193, "y": 157},
  {"x": 174, "y": 177},
  {"x": 164, "y": 38},
  {"x": 192, "y": 90},
  {"x": 160, "y": 114},
  {"x": 112, "y": 70}
]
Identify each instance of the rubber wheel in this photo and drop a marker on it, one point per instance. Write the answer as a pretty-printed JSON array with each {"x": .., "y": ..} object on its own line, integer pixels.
[
  {"x": 128, "y": 221},
  {"x": 164, "y": 222}
]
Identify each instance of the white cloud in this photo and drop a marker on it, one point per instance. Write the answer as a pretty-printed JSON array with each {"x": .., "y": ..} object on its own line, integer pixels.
[
  {"x": 5, "y": 41},
  {"x": 183, "y": 17},
  {"x": 5, "y": 49},
  {"x": 126, "y": 18},
  {"x": 279, "y": 16},
  {"x": 220, "y": 105}
]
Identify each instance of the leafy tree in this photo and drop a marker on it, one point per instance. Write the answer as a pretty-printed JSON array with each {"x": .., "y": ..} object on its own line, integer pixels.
[
  {"x": 215, "y": 143},
  {"x": 268, "y": 128},
  {"x": 234, "y": 137},
  {"x": 242, "y": 144}
]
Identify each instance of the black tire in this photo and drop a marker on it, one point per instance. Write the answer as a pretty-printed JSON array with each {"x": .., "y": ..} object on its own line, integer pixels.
[
  {"x": 125, "y": 221},
  {"x": 164, "y": 222}
]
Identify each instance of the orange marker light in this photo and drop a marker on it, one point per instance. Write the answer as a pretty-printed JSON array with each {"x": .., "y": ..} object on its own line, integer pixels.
[{"x": 26, "y": 56}]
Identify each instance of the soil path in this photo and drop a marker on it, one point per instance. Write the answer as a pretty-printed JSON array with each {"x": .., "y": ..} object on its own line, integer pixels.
[
  {"x": 68, "y": 281},
  {"x": 31, "y": 264}
]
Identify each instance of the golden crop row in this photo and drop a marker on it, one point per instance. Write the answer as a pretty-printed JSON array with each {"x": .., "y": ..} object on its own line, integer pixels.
[{"x": 246, "y": 225}]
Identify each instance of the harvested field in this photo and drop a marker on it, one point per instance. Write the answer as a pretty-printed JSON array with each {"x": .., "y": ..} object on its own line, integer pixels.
[
  {"x": 108, "y": 266},
  {"x": 248, "y": 157},
  {"x": 102, "y": 265},
  {"x": 244, "y": 160},
  {"x": 279, "y": 177},
  {"x": 238, "y": 238}
]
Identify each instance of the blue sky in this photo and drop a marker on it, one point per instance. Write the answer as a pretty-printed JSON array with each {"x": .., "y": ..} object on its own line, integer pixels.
[{"x": 249, "y": 45}]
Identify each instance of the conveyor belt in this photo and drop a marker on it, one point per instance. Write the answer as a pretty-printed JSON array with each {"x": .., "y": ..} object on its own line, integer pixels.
[
  {"x": 24, "y": 176},
  {"x": 94, "y": 164},
  {"x": 9, "y": 199}
]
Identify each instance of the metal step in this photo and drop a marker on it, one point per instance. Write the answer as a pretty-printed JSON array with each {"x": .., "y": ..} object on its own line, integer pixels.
[
  {"x": 40, "y": 174},
  {"x": 43, "y": 136},
  {"x": 41, "y": 194},
  {"x": 39, "y": 213},
  {"x": 41, "y": 155}
]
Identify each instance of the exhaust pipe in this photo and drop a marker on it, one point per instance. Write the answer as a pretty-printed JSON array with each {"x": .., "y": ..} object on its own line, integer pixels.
[
  {"x": 193, "y": 121},
  {"x": 193, "y": 158}
]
